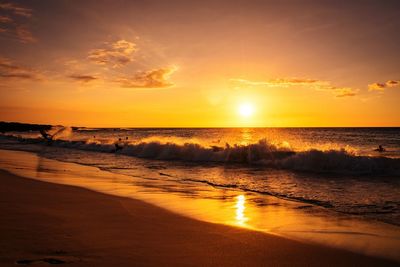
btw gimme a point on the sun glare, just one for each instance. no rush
(246, 110)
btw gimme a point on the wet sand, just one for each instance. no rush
(44, 223)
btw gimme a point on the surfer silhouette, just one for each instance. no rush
(380, 149)
(46, 136)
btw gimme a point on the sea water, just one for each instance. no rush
(338, 169)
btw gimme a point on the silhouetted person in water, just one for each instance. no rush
(380, 149)
(118, 145)
(48, 137)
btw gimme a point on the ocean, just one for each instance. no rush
(338, 169)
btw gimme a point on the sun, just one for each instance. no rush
(246, 110)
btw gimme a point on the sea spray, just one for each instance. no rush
(261, 153)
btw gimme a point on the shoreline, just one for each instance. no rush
(266, 214)
(45, 221)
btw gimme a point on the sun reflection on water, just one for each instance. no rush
(240, 208)
(246, 136)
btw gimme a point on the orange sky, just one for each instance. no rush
(185, 64)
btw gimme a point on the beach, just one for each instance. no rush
(199, 133)
(44, 223)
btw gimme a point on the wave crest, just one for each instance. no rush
(340, 161)
(262, 153)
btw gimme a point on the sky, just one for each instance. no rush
(203, 63)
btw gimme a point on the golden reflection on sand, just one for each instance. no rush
(240, 207)
(253, 211)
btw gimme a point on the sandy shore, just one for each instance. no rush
(43, 223)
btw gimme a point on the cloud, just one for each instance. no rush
(376, 87)
(14, 22)
(16, 9)
(382, 86)
(10, 70)
(83, 78)
(157, 78)
(281, 82)
(344, 92)
(318, 85)
(117, 54)
(5, 19)
(24, 35)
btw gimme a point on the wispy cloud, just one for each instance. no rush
(13, 23)
(157, 78)
(344, 91)
(281, 82)
(83, 78)
(117, 54)
(5, 19)
(10, 70)
(114, 56)
(319, 85)
(382, 86)
(16, 9)
(24, 34)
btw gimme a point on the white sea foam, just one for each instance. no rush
(262, 153)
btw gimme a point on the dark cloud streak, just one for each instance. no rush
(83, 78)
(10, 70)
(382, 86)
(14, 23)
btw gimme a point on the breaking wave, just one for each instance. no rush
(262, 153)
